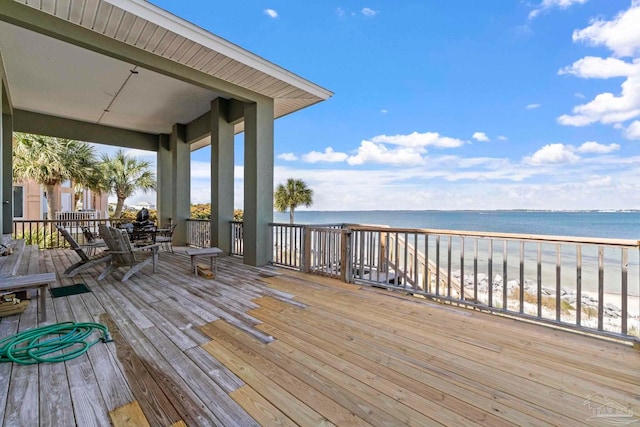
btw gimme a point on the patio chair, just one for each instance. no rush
(86, 259)
(164, 235)
(124, 254)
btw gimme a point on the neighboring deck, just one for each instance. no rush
(275, 347)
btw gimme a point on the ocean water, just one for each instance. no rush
(619, 225)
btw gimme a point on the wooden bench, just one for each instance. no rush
(9, 264)
(31, 281)
(211, 253)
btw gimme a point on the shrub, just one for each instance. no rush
(39, 237)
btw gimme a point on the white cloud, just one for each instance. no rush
(621, 35)
(553, 154)
(532, 106)
(600, 181)
(370, 152)
(289, 157)
(579, 95)
(340, 11)
(369, 12)
(328, 156)
(409, 151)
(549, 4)
(416, 139)
(608, 182)
(502, 138)
(383, 111)
(271, 13)
(201, 170)
(633, 131)
(606, 107)
(480, 136)
(597, 148)
(592, 67)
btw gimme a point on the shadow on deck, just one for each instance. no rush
(274, 347)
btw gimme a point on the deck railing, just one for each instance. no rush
(587, 284)
(199, 232)
(582, 283)
(308, 248)
(44, 233)
(579, 283)
(237, 240)
(80, 215)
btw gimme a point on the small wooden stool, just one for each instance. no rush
(32, 281)
(211, 253)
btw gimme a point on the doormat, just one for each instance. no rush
(65, 291)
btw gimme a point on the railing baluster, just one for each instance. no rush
(406, 256)
(539, 279)
(600, 287)
(449, 267)
(558, 282)
(427, 275)
(462, 268)
(505, 280)
(414, 270)
(475, 270)
(521, 302)
(490, 271)
(579, 285)
(624, 291)
(437, 265)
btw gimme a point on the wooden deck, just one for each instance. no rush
(266, 346)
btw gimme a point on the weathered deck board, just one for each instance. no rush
(537, 353)
(413, 379)
(285, 348)
(253, 353)
(278, 396)
(22, 401)
(468, 365)
(219, 373)
(260, 409)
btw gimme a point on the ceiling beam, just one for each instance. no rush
(42, 124)
(7, 106)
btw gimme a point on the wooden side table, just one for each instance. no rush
(211, 253)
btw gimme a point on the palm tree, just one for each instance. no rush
(95, 182)
(125, 175)
(50, 161)
(291, 195)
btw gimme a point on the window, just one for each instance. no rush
(66, 184)
(18, 201)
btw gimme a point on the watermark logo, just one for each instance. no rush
(607, 411)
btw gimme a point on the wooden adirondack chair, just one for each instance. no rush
(86, 260)
(123, 254)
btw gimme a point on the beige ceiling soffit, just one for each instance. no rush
(166, 20)
(33, 19)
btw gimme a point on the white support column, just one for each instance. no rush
(258, 182)
(180, 183)
(222, 181)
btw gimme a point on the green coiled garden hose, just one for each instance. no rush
(52, 343)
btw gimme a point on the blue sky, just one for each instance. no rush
(448, 104)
